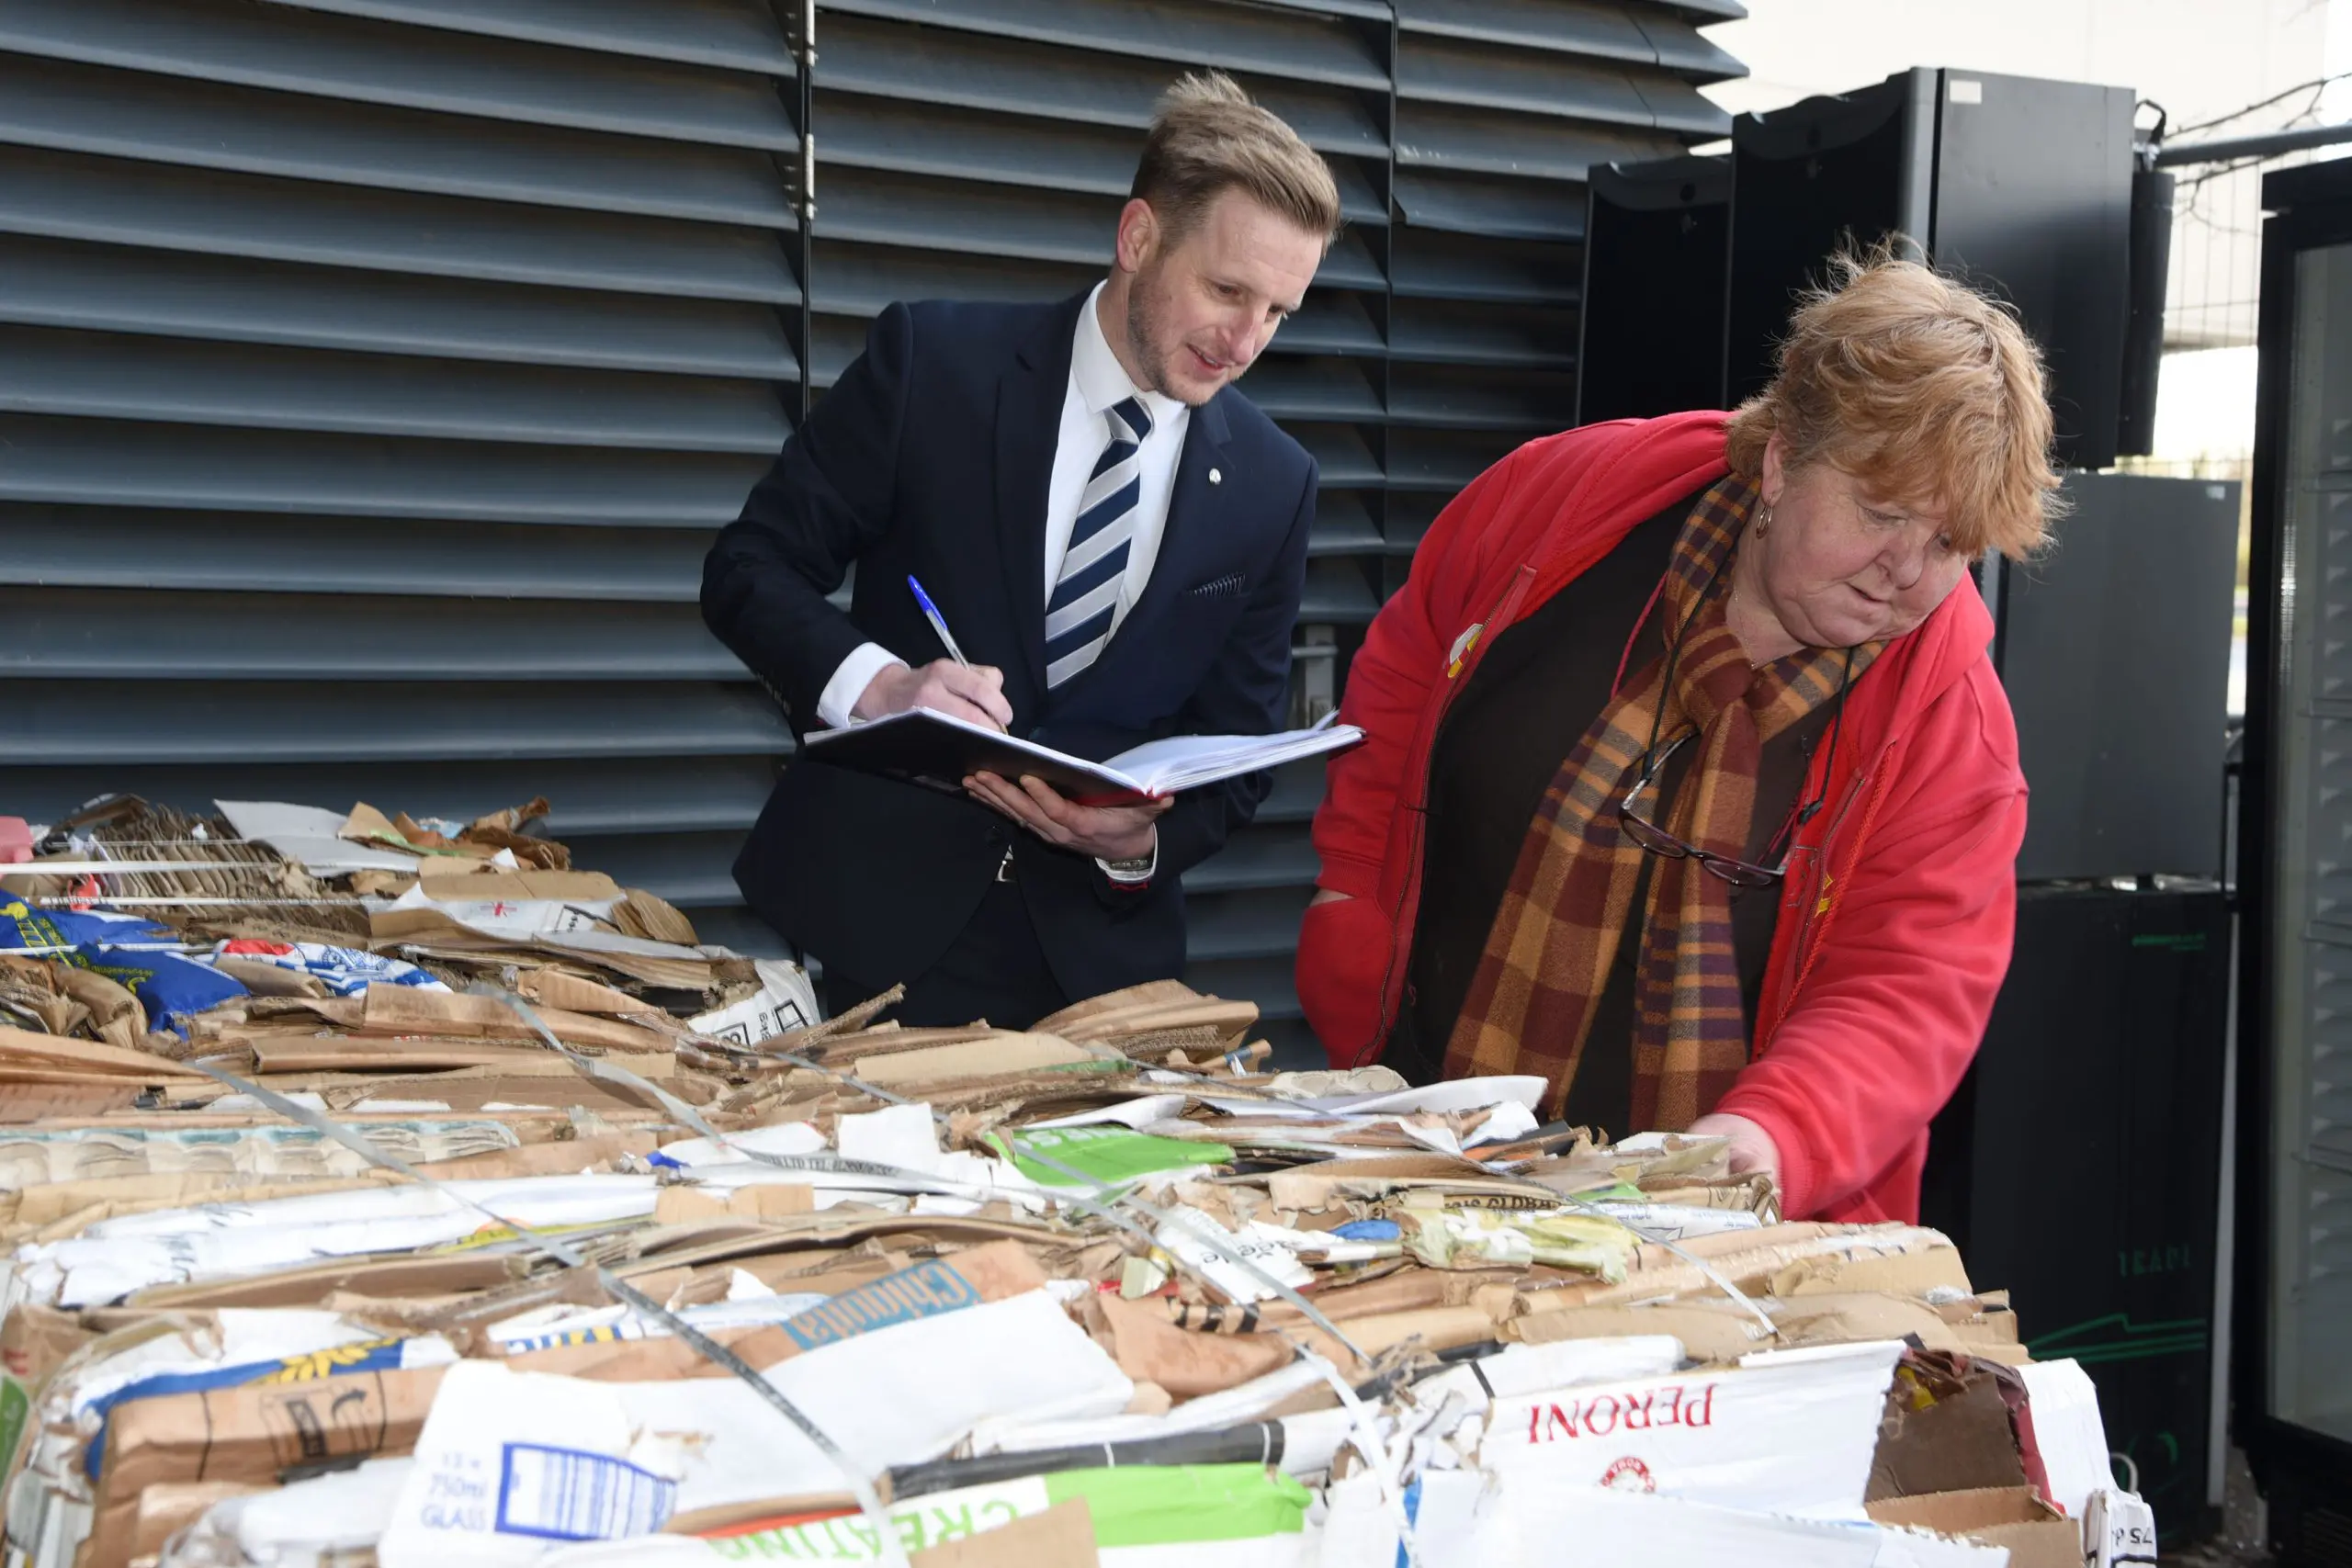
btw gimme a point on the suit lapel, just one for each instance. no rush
(1028, 430)
(1192, 510)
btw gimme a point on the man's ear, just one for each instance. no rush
(1138, 235)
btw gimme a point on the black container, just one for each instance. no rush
(2019, 185)
(1656, 261)
(2079, 1164)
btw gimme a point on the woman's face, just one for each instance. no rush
(1840, 566)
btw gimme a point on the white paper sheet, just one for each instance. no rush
(311, 838)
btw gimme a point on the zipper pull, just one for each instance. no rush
(1462, 647)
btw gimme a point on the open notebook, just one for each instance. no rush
(932, 747)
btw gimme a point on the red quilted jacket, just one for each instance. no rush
(1897, 916)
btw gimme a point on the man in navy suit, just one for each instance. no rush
(1115, 537)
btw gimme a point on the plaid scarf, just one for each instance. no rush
(1553, 941)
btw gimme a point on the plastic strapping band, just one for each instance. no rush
(868, 1500)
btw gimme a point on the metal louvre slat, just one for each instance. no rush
(627, 794)
(1529, 337)
(81, 108)
(1337, 593)
(1293, 387)
(1344, 526)
(117, 288)
(1473, 141)
(739, 35)
(876, 207)
(318, 53)
(114, 376)
(1277, 855)
(117, 201)
(1574, 27)
(1498, 207)
(1203, 32)
(199, 552)
(108, 462)
(1458, 72)
(144, 721)
(1432, 264)
(951, 143)
(61, 633)
(1479, 398)
(1251, 924)
(932, 65)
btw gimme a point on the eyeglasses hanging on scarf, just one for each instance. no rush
(1655, 840)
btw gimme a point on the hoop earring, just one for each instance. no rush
(1764, 523)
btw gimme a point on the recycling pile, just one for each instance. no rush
(385, 1224)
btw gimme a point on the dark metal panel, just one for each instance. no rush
(119, 288)
(124, 722)
(288, 553)
(1478, 140)
(739, 35)
(859, 280)
(1299, 790)
(693, 870)
(1681, 49)
(1495, 207)
(1574, 27)
(288, 50)
(116, 376)
(970, 70)
(118, 463)
(1456, 72)
(1432, 264)
(1340, 453)
(1176, 32)
(55, 633)
(954, 143)
(1269, 982)
(622, 795)
(883, 208)
(1280, 855)
(1443, 460)
(1475, 398)
(81, 108)
(115, 201)
(1440, 331)
(1342, 526)
(1253, 924)
(1567, 26)
(1293, 386)
(1338, 592)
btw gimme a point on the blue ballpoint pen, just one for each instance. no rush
(938, 623)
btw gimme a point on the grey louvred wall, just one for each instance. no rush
(373, 372)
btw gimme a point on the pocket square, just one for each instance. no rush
(1217, 587)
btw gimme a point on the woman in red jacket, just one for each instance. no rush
(1687, 781)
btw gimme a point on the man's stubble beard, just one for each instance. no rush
(1152, 351)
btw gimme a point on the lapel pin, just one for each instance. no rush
(1215, 477)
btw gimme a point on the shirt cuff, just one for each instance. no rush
(849, 683)
(1134, 879)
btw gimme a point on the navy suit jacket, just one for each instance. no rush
(932, 455)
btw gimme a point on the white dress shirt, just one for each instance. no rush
(1097, 381)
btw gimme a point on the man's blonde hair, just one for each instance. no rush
(1207, 137)
(1924, 390)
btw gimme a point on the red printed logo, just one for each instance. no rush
(1599, 1415)
(1629, 1474)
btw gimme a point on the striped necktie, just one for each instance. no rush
(1094, 568)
